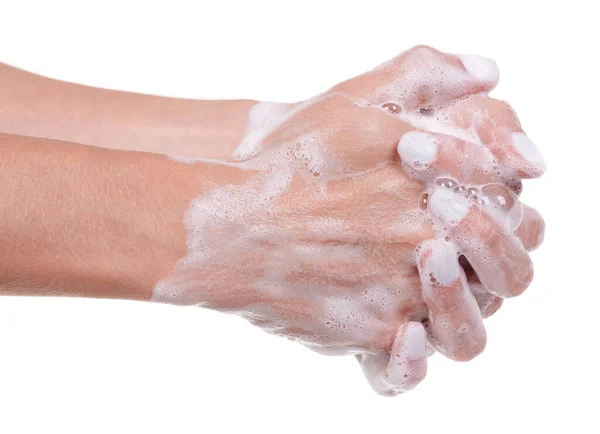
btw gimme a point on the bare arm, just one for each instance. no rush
(319, 226)
(84, 221)
(33, 105)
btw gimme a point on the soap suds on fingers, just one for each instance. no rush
(310, 248)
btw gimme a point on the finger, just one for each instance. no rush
(488, 303)
(404, 367)
(496, 254)
(423, 76)
(457, 329)
(407, 366)
(532, 228)
(531, 234)
(429, 156)
(498, 201)
(498, 127)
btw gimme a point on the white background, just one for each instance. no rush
(92, 366)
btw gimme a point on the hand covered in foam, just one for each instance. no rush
(327, 237)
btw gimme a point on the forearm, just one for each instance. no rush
(83, 221)
(38, 106)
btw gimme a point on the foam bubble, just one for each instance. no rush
(502, 204)
(417, 148)
(480, 67)
(448, 206)
(443, 263)
(310, 275)
(392, 107)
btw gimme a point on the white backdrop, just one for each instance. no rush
(92, 366)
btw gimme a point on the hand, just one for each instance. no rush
(477, 118)
(316, 240)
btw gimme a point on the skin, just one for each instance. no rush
(42, 107)
(89, 226)
(96, 235)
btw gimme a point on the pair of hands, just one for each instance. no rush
(380, 218)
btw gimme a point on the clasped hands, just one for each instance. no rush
(380, 219)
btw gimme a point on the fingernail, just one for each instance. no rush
(443, 264)
(529, 152)
(417, 149)
(480, 67)
(415, 343)
(448, 206)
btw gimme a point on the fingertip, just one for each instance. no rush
(532, 229)
(415, 341)
(407, 366)
(497, 256)
(533, 163)
(456, 324)
(472, 344)
(523, 277)
(481, 68)
(449, 207)
(462, 341)
(439, 260)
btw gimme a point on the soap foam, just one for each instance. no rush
(417, 149)
(289, 271)
(448, 206)
(415, 344)
(529, 152)
(481, 67)
(443, 264)
(247, 230)
(426, 71)
(265, 114)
